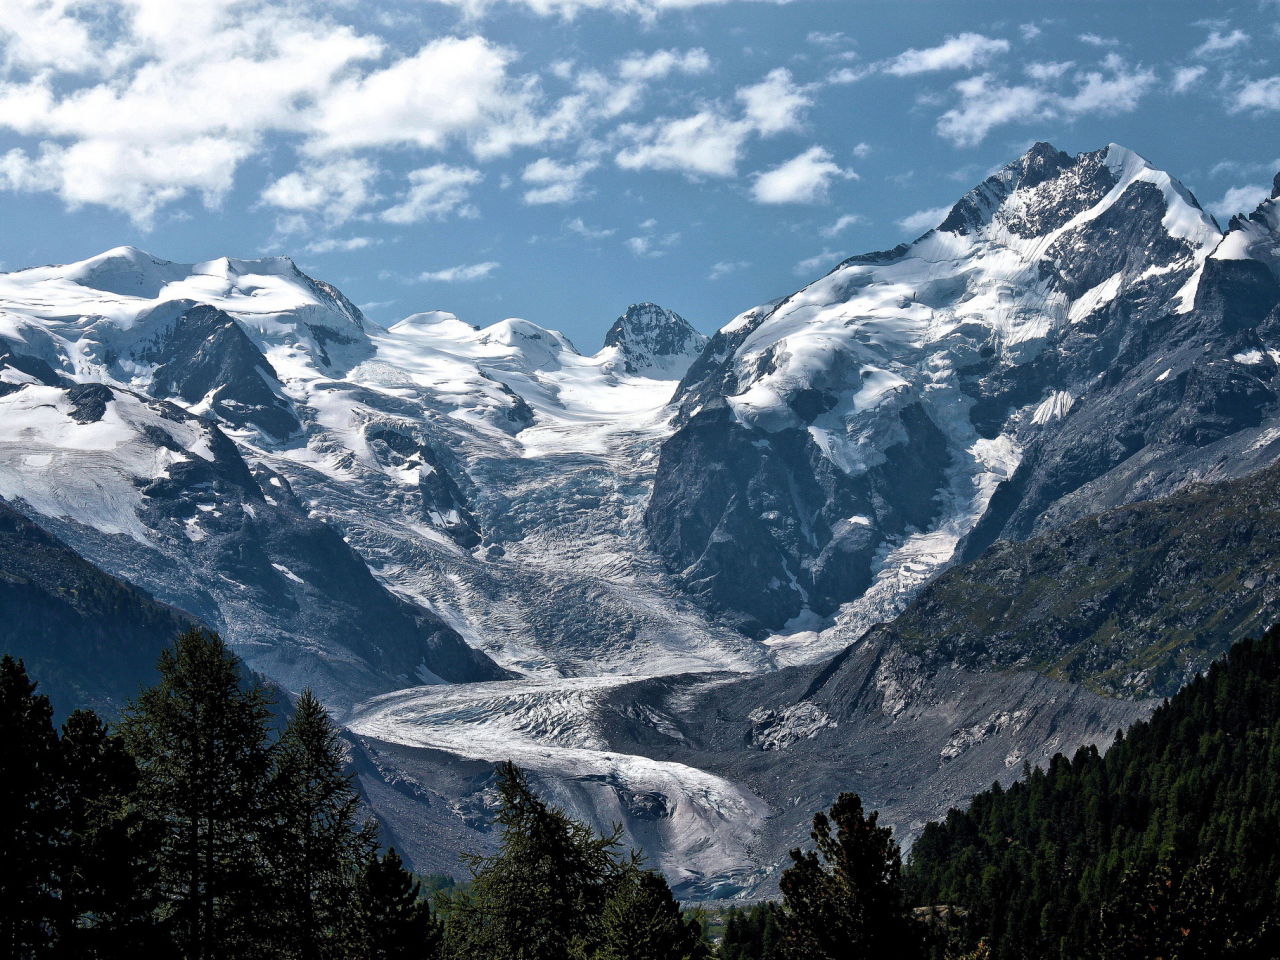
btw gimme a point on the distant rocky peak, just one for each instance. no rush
(649, 339)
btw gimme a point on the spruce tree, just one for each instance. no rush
(200, 740)
(31, 815)
(316, 849)
(641, 920)
(540, 897)
(845, 899)
(109, 859)
(393, 921)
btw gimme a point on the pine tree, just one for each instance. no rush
(315, 847)
(200, 740)
(845, 898)
(109, 860)
(31, 815)
(540, 897)
(641, 920)
(393, 921)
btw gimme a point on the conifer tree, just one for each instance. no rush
(641, 920)
(200, 740)
(109, 856)
(540, 896)
(393, 921)
(315, 846)
(845, 899)
(31, 815)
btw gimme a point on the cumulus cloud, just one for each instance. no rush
(663, 63)
(578, 226)
(706, 143)
(434, 193)
(726, 268)
(340, 245)
(774, 105)
(985, 104)
(822, 261)
(1117, 90)
(1219, 42)
(1094, 40)
(710, 142)
(568, 9)
(802, 179)
(1184, 78)
(1261, 95)
(336, 189)
(923, 220)
(964, 51)
(1241, 199)
(554, 182)
(841, 225)
(463, 273)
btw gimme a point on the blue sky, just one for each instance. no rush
(559, 159)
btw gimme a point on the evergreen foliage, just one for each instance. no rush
(314, 845)
(201, 742)
(30, 813)
(393, 922)
(845, 897)
(753, 933)
(1169, 845)
(195, 834)
(641, 920)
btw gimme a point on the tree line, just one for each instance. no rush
(192, 830)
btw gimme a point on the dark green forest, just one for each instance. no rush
(202, 826)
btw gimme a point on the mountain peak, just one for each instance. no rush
(650, 339)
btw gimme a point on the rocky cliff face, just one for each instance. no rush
(1066, 340)
(649, 340)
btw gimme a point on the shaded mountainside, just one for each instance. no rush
(1076, 334)
(1164, 846)
(91, 639)
(1132, 602)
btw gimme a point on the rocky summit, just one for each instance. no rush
(950, 508)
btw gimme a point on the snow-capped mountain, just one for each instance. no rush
(607, 543)
(854, 434)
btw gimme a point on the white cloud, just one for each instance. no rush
(861, 150)
(451, 88)
(841, 225)
(343, 245)
(649, 244)
(1048, 70)
(1029, 31)
(923, 220)
(961, 52)
(726, 267)
(986, 104)
(1184, 78)
(576, 225)
(1094, 40)
(822, 261)
(802, 179)
(1117, 91)
(555, 182)
(1218, 42)
(568, 9)
(1261, 94)
(710, 142)
(44, 33)
(434, 193)
(663, 63)
(704, 144)
(1239, 200)
(775, 104)
(336, 189)
(463, 273)
(173, 118)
